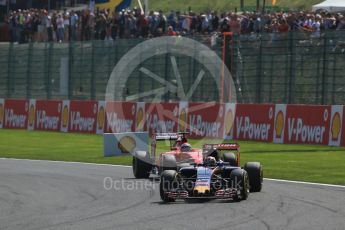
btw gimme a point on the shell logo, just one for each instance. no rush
(101, 118)
(335, 127)
(126, 144)
(140, 119)
(279, 124)
(1, 113)
(229, 117)
(65, 116)
(182, 120)
(31, 115)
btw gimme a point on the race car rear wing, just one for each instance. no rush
(223, 146)
(208, 148)
(165, 136)
(172, 137)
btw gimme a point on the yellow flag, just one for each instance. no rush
(274, 2)
(109, 4)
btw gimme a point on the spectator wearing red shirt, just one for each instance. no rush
(283, 26)
(171, 32)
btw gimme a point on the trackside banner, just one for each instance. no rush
(44, 115)
(205, 120)
(336, 126)
(2, 111)
(120, 117)
(83, 116)
(161, 117)
(16, 114)
(307, 124)
(279, 123)
(343, 128)
(254, 122)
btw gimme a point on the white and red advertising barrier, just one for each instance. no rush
(119, 116)
(15, 115)
(160, 117)
(254, 122)
(205, 120)
(302, 124)
(280, 123)
(82, 116)
(336, 126)
(2, 112)
(44, 115)
(343, 128)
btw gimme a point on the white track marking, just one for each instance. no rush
(306, 183)
(127, 166)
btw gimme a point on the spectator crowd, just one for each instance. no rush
(38, 25)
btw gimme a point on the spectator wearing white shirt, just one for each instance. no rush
(316, 26)
(60, 28)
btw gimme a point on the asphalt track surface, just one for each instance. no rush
(57, 195)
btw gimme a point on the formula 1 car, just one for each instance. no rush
(180, 154)
(198, 173)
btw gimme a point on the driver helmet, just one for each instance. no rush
(211, 161)
(185, 147)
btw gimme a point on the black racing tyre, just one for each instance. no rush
(183, 165)
(167, 183)
(168, 162)
(239, 180)
(230, 158)
(141, 165)
(255, 173)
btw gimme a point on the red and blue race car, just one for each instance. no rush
(212, 172)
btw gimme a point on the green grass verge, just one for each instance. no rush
(311, 163)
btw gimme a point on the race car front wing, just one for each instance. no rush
(228, 193)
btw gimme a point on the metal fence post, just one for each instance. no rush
(140, 82)
(317, 91)
(47, 64)
(70, 63)
(166, 96)
(93, 82)
(292, 63)
(9, 70)
(333, 78)
(28, 72)
(271, 79)
(324, 65)
(259, 73)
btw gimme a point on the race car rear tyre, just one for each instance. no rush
(183, 165)
(168, 162)
(230, 158)
(141, 164)
(167, 183)
(240, 181)
(255, 173)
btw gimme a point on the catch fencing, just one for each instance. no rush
(294, 67)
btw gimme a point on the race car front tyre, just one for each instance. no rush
(255, 173)
(141, 165)
(240, 181)
(167, 183)
(230, 158)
